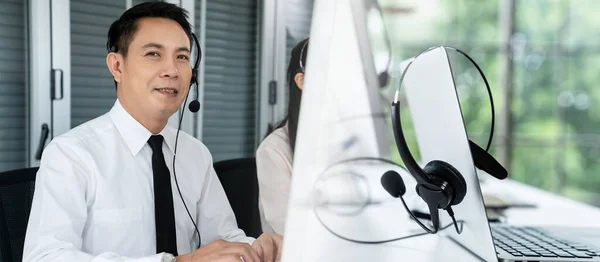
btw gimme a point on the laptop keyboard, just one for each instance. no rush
(533, 242)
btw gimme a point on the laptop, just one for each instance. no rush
(440, 131)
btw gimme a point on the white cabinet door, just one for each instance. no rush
(49, 74)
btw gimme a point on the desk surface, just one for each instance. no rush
(551, 210)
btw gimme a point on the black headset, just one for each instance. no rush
(195, 104)
(301, 54)
(439, 183)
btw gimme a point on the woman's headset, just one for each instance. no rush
(302, 55)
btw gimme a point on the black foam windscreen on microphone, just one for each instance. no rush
(392, 183)
(194, 106)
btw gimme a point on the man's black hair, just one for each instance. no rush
(122, 31)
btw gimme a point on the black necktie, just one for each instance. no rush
(164, 212)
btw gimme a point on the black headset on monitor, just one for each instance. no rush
(439, 184)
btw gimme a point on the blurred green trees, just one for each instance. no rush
(555, 76)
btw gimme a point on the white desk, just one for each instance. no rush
(551, 210)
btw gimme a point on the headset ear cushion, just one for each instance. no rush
(448, 173)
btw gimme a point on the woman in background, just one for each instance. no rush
(275, 154)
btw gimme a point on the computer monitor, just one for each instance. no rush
(441, 135)
(342, 117)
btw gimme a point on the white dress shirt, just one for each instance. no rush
(274, 172)
(94, 198)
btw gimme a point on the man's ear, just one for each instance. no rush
(114, 61)
(299, 79)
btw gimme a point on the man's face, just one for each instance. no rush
(155, 75)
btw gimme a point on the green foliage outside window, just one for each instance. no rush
(555, 47)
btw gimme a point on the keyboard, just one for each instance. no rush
(535, 242)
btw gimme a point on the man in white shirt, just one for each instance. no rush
(107, 191)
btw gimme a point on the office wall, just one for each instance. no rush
(13, 78)
(92, 86)
(230, 76)
(65, 40)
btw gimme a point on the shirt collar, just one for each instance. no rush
(135, 134)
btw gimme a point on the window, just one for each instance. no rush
(545, 67)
